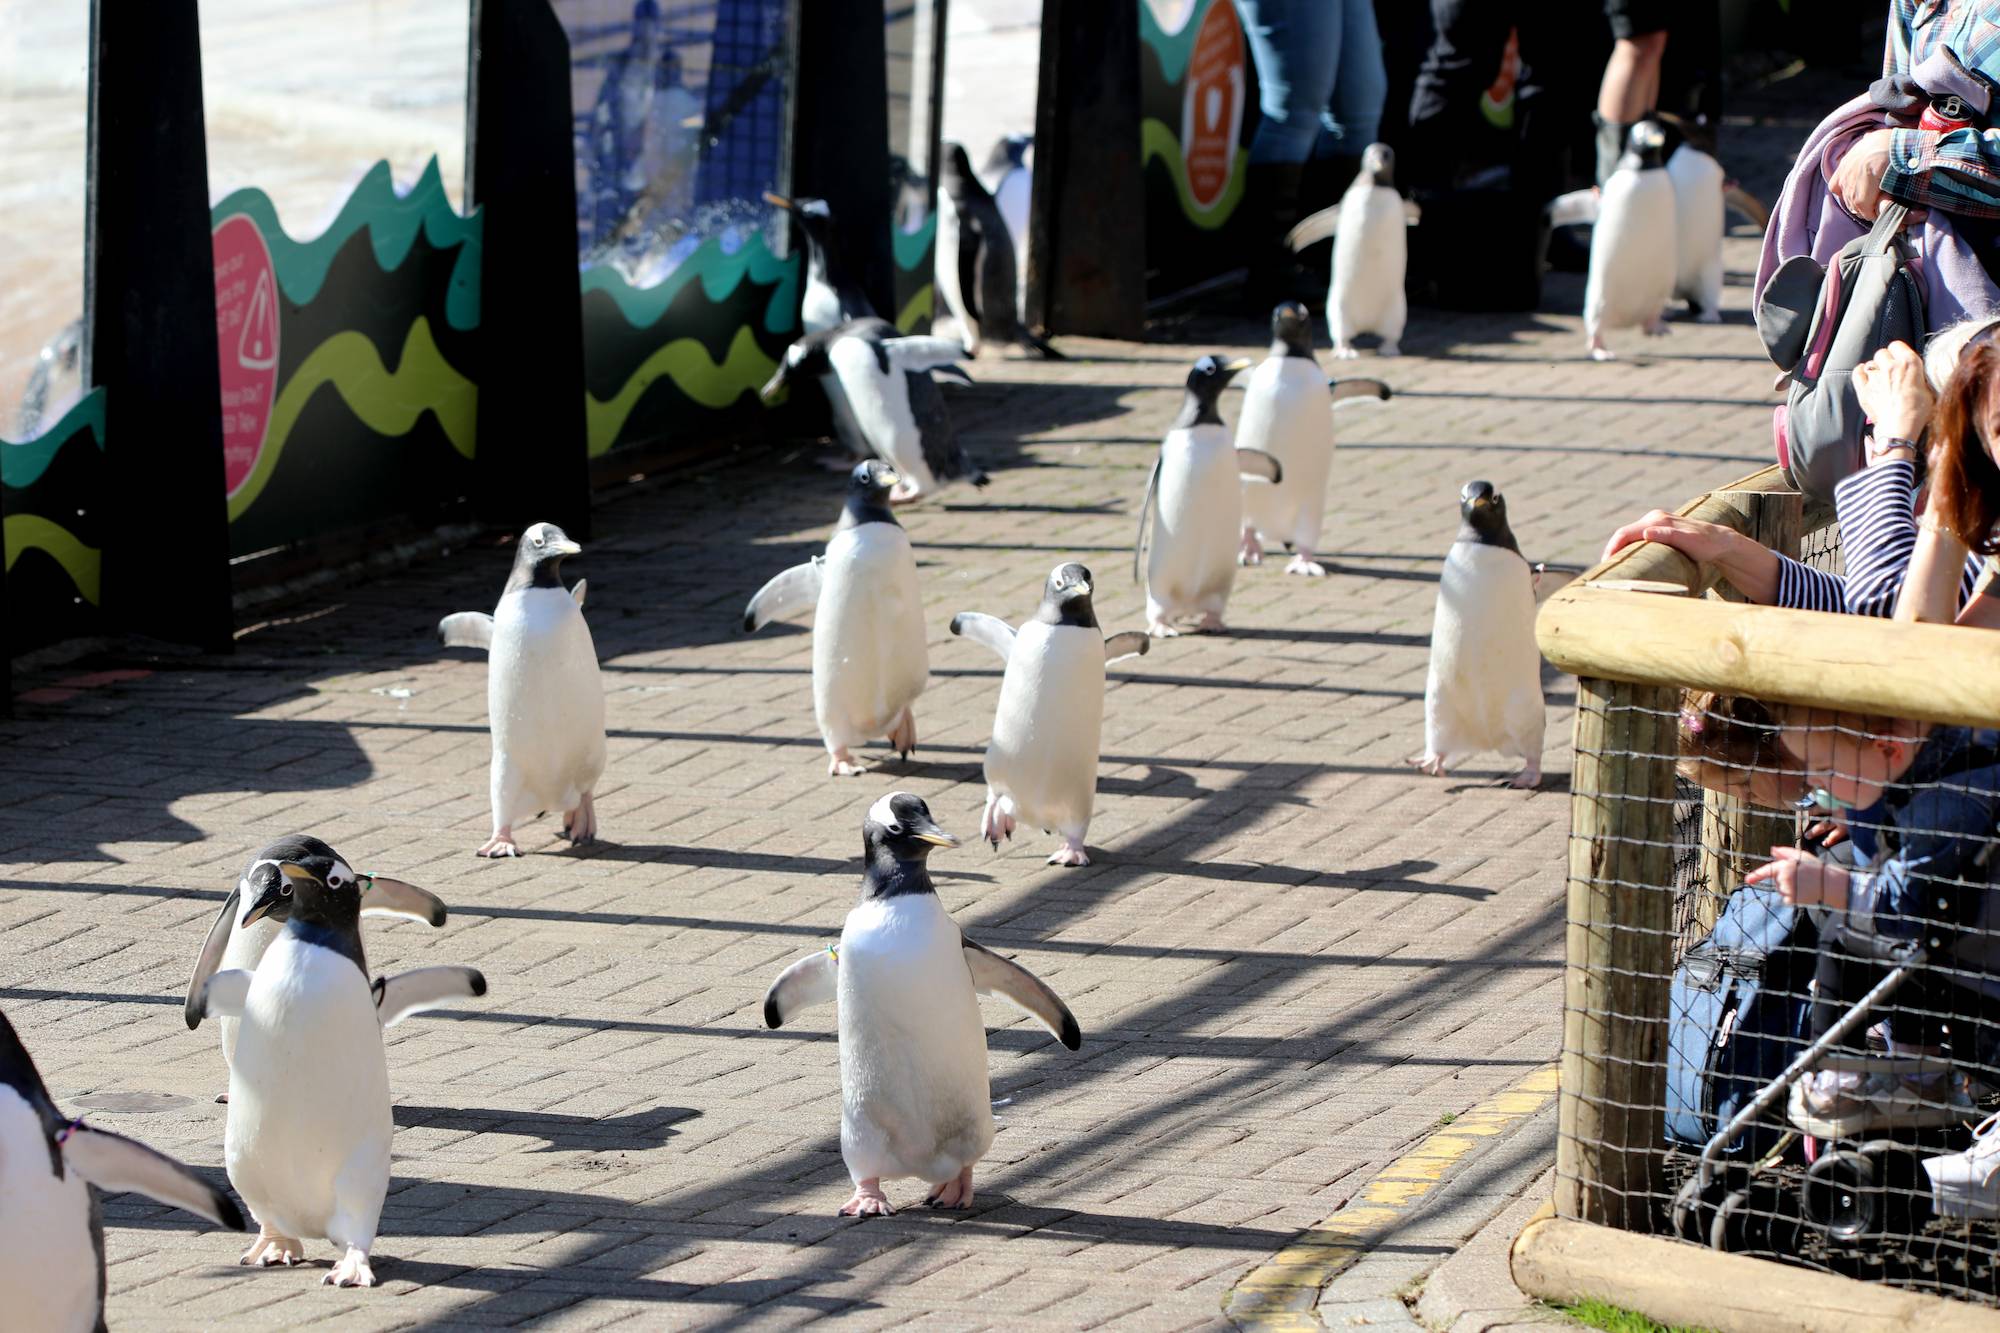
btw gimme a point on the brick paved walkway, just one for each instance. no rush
(1290, 959)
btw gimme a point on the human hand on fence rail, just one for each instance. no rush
(1749, 565)
(1803, 879)
(1894, 392)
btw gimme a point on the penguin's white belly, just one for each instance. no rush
(1192, 565)
(1484, 691)
(845, 425)
(48, 1271)
(1048, 725)
(1632, 251)
(1012, 196)
(546, 699)
(1697, 180)
(913, 1088)
(945, 271)
(246, 948)
(880, 403)
(309, 1119)
(1370, 255)
(869, 656)
(819, 310)
(1288, 412)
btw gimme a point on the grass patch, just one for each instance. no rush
(1615, 1319)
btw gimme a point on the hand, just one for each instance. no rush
(1894, 392)
(1702, 542)
(1857, 181)
(1803, 879)
(1831, 831)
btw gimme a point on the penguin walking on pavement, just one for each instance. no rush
(1484, 691)
(51, 1218)
(914, 1095)
(832, 293)
(234, 946)
(1288, 413)
(1371, 254)
(1634, 249)
(884, 402)
(869, 657)
(544, 698)
(1699, 182)
(1009, 175)
(1041, 765)
(976, 261)
(307, 1142)
(1190, 564)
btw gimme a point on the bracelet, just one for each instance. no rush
(1929, 524)
(1877, 448)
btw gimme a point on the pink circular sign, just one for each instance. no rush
(246, 327)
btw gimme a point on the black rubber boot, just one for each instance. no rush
(1270, 210)
(1610, 145)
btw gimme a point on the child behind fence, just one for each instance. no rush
(1932, 798)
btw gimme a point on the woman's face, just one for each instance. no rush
(1774, 789)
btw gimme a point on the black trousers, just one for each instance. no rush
(1919, 1013)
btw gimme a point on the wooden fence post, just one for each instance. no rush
(1619, 954)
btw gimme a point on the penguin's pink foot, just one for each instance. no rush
(996, 823)
(1431, 764)
(1657, 327)
(500, 844)
(1210, 623)
(351, 1271)
(953, 1193)
(1389, 347)
(580, 824)
(1303, 563)
(1071, 853)
(1599, 352)
(270, 1250)
(903, 493)
(1709, 317)
(868, 1201)
(1161, 629)
(841, 763)
(1250, 551)
(903, 733)
(1346, 351)
(1528, 778)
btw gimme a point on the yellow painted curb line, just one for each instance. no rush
(1281, 1293)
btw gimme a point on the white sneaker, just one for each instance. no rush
(1967, 1184)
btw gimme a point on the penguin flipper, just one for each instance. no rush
(810, 981)
(943, 454)
(924, 353)
(1349, 389)
(582, 587)
(1145, 512)
(210, 958)
(992, 631)
(1314, 228)
(115, 1163)
(1129, 643)
(406, 993)
(223, 994)
(1577, 208)
(1749, 205)
(392, 897)
(1004, 979)
(792, 595)
(467, 629)
(1259, 465)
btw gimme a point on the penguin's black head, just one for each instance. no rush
(900, 827)
(868, 494)
(1008, 152)
(538, 559)
(815, 216)
(1205, 383)
(302, 879)
(1378, 164)
(1645, 146)
(1066, 597)
(955, 172)
(1483, 514)
(1291, 330)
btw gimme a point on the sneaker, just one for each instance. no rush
(1967, 1184)
(1842, 1103)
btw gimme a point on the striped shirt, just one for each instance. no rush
(1878, 534)
(1957, 171)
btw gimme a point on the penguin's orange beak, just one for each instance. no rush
(777, 201)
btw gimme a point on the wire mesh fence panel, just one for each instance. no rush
(1807, 1069)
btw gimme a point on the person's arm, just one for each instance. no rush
(1942, 573)
(1752, 568)
(1878, 531)
(1955, 172)
(1896, 47)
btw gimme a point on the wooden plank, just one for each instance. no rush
(1564, 1261)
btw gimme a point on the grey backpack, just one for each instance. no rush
(1818, 324)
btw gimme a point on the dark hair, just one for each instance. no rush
(1965, 481)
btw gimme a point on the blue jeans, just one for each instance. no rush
(1321, 81)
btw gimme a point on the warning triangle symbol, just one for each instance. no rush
(257, 348)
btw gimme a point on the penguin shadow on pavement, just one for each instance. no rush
(635, 1131)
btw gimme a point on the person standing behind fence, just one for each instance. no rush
(1630, 91)
(1321, 84)
(1955, 533)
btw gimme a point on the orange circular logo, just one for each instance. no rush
(1212, 109)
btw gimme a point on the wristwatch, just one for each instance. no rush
(1877, 446)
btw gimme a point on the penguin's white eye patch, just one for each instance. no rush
(541, 541)
(285, 889)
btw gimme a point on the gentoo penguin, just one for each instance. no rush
(884, 402)
(832, 296)
(976, 262)
(1192, 562)
(914, 1098)
(1288, 413)
(238, 948)
(307, 1144)
(1041, 765)
(1009, 175)
(51, 1222)
(869, 658)
(1370, 254)
(1633, 252)
(1698, 181)
(1485, 686)
(544, 699)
